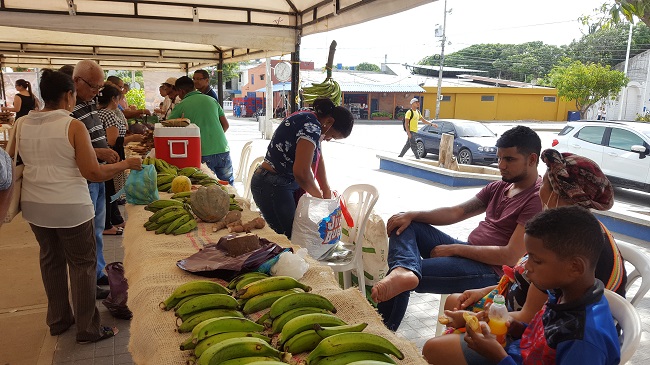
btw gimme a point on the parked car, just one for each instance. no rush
(619, 147)
(474, 143)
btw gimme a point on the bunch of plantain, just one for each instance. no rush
(193, 288)
(308, 339)
(183, 197)
(269, 284)
(227, 351)
(177, 122)
(161, 165)
(233, 203)
(173, 219)
(161, 204)
(329, 88)
(203, 307)
(353, 342)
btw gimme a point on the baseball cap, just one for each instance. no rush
(170, 81)
(415, 100)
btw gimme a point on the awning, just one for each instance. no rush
(171, 34)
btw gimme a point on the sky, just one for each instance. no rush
(407, 37)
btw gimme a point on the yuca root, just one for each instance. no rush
(257, 223)
(231, 217)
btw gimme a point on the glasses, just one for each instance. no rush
(198, 78)
(95, 87)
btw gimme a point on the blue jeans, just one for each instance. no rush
(444, 275)
(98, 196)
(221, 165)
(273, 194)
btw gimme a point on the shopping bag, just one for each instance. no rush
(116, 300)
(141, 187)
(374, 250)
(17, 174)
(317, 224)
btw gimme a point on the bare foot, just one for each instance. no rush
(398, 281)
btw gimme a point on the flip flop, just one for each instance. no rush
(121, 225)
(118, 231)
(107, 332)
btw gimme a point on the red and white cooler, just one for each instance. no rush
(180, 146)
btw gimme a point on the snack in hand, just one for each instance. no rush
(471, 321)
(443, 319)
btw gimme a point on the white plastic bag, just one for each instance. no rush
(317, 224)
(291, 264)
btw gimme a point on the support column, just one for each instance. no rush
(220, 79)
(295, 76)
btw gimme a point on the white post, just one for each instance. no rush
(442, 61)
(267, 130)
(627, 61)
(645, 87)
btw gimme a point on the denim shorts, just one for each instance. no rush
(221, 165)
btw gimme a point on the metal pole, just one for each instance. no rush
(267, 129)
(442, 61)
(627, 60)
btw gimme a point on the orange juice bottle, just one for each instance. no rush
(498, 316)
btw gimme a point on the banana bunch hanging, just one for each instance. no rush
(326, 89)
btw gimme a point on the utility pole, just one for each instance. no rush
(442, 61)
(627, 60)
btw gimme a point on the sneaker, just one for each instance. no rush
(102, 293)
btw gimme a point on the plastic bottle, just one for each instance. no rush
(498, 316)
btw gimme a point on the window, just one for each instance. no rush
(445, 98)
(252, 79)
(487, 97)
(623, 140)
(549, 99)
(591, 134)
(565, 130)
(433, 129)
(448, 128)
(262, 77)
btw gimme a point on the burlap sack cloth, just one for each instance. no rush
(150, 268)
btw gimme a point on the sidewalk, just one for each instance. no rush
(24, 337)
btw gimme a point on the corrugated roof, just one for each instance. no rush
(345, 87)
(362, 81)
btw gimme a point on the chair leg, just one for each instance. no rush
(362, 280)
(347, 279)
(441, 311)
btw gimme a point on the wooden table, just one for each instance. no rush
(150, 268)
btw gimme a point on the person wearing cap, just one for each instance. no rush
(411, 119)
(569, 180)
(171, 97)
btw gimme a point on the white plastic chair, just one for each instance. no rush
(641, 264)
(365, 196)
(243, 162)
(630, 322)
(440, 328)
(248, 195)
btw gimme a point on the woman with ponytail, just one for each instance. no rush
(294, 162)
(24, 101)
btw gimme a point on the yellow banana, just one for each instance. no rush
(235, 348)
(192, 288)
(212, 340)
(270, 284)
(353, 341)
(324, 331)
(265, 300)
(298, 300)
(184, 300)
(205, 302)
(188, 324)
(280, 321)
(302, 342)
(226, 324)
(307, 321)
(247, 280)
(350, 357)
(233, 283)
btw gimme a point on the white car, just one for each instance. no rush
(620, 148)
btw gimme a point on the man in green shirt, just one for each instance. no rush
(208, 115)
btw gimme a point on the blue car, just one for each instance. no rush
(474, 143)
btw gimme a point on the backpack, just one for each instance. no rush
(412, 115)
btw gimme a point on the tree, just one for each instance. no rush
(230, 70)
(585, 83)
(365, 66)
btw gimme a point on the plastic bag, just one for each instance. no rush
(141, 187)
(317, 224)
(116, 300)
(291, 264)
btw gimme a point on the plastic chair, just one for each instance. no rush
(440, 328)
(365, 196)
(630, 322)
(243, 162)
(248, 195)
(641, 264)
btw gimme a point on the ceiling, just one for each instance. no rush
(174, 35)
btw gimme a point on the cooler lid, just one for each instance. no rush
(191, 130)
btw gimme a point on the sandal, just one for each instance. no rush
(117, 232)
(121, 225)
(107, 332)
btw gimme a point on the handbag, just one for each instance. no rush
(116, 300)
(18, 167)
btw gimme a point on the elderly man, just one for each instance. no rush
(201, 80)
(89, 81)
(207, 114)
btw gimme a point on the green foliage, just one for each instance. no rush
(230, 70)
(643, 118)
(365, 66)
(136, 97)
(585, 83)
(607, 45)
(519, 62)
(381, 114)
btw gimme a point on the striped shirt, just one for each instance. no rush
(86, 112)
